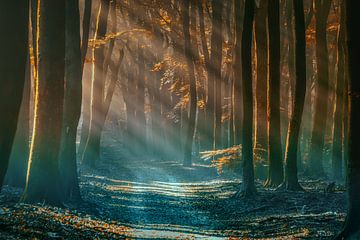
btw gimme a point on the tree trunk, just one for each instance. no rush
(261, 39)
(292, 142)
(337, 151)
(85, 102)
(43, 178)
(248, 184)
(351, 228)
(92, 147)
(276, 173)
(13, 49)
(315, 167)
(16, 173)
(215, 62)
(72, 102)
(193, 95)
(237, 85)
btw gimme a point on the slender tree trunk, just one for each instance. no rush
(13, 52)
(351, 228)
(204, 113)
(248, 184)
(261, 38)
(292, 142)
(92, 147)
(276, 173)
(16, 173)
(86, 89)
(215, 61)
(72, 102)
(322, 92)
(237, 83)
(193, 95)
(337, 151)
(43, 178)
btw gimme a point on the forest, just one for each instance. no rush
(180, 119)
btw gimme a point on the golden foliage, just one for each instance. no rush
(228, 157)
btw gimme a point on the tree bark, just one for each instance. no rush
(215, 61)
(261, 38)
(92, 148)
(351, 228)
(72, 102)
(315, 167)
(13, 48)
(276, 173)
(16, 173)
(292, 142)
(85, 102)
(43, 179)
(337, 151)
(188, 52)
(248, 185)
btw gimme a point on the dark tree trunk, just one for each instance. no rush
(276, 173)
(351, 228)
(337, 151)
(315, 167)
(292, 142)
(261, 39)
(193, 95)
(92, 148)
(16, 173)
(248, 185)
(215, 62)
(72, 102)
(43, 179)
(13, 50)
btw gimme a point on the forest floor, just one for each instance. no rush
(127, 198)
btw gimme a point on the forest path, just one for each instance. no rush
(143, 198)
(162, 199)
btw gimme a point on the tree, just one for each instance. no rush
(13, 52)
(292, 142)
(215, 66)
(86, 104)
(276, 173)
(72, 102)
(248, 184)
(337, 151)
(43, 178)
(16, 173)
(92, 147)
(261, 38)
(193, 95)
(351, 228)
(315, 167)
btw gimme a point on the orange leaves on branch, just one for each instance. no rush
(96, 43)
(228, 157)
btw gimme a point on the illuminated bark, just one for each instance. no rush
(337, 151)
(43, 178)
(92, 148)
